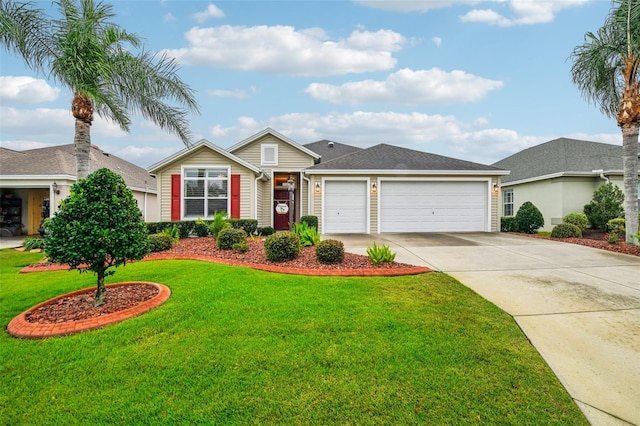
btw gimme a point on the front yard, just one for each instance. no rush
(237, 346)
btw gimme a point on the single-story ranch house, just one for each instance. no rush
(33, 182)
(559, 177)
(275, 180)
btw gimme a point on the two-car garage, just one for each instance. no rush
(415, 205)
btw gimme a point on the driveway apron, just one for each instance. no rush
(579, 306)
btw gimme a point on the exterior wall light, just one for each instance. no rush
(495, 188)
(54, 186)
(374, 188)
(317, 187)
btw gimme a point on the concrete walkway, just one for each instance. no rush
(579, 307)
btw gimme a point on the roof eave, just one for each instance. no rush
(405, 172)
(267, 131)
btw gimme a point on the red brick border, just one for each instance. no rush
(20, 327)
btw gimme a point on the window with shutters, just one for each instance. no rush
(269, 155)
(205, 191)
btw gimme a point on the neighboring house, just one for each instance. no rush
(559, 176)
(275, 180)
(33, 182)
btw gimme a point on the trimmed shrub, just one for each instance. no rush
(266, 231)
(529, 219)
(605, 205)
(230, 236)
(31, 243)
(250, 226)
(508, 224)
(330, 251)
(241, 247)
(617, 226)
(566, 230)
(160, 242)
(578, 219)
(173, 233)
(312, 221)
(201, 228)
(282, 246)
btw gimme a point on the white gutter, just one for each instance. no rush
(255, 198)
(407, 172)
(308, 192)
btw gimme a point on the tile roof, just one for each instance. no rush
(385, 157)
(61, 160)
(561, 155)
(330, 150)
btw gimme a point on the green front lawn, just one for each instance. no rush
(238, 346)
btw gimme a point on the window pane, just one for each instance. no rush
(217, 188)
(194, 188)
(194, 208)
(194, 172)
(217, 173)
(216, 205)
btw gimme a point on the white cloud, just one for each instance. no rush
(408, 87)
(412, 5)
(212, 11)
(437, 41)
(26, 90)
(169, 17)
(525, 12)
(286, 51)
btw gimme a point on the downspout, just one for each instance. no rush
(255, 198)
(602, 176)
(308, 191)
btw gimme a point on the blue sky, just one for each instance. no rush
(475, 80)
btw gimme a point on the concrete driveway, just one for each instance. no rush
(579, 307)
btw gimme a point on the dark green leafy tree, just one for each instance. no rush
(529, 218)
(84, 51)
(605, 205)
(606, 69)
(97, 227)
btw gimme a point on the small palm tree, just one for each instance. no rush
(606, 69)
(85, 52)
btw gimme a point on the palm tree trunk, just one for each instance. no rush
(82, 142)
(630, 167)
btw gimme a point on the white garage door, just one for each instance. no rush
(412, 206)
(345, 207)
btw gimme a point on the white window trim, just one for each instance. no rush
(504, 202)
(263, 148)
(182, 196)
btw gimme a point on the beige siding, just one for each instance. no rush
(205, 157)
(289, 157)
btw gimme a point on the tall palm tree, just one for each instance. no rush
(606, 69)
(91, 56)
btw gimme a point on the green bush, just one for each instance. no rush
(605, 205)
(173, 233)
(265, 231)
(250, 226)
(617, 226)
(566, 230)
(160, 242)
(578, 219)
(529, 219)
(330, 251)
(185, 227)
(308, 235)
(379, 254)
(201, 228)
(312, 221)
(219, 223)
(31, 243)
(282, 246)
(241, 247)
(508, 224)
(227, 237)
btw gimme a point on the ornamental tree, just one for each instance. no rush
(97, 227)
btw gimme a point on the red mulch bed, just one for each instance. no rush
(596, 238)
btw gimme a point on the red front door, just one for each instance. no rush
(281, 220)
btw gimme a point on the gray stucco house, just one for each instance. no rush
(558, 176)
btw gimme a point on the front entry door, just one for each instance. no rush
(281, 220)
(38, 202)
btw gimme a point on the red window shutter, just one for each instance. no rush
(235, 196)
(175, 197)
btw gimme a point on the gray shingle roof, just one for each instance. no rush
(561, 155)
(61, 160)
(330, 150)
(390, 157)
